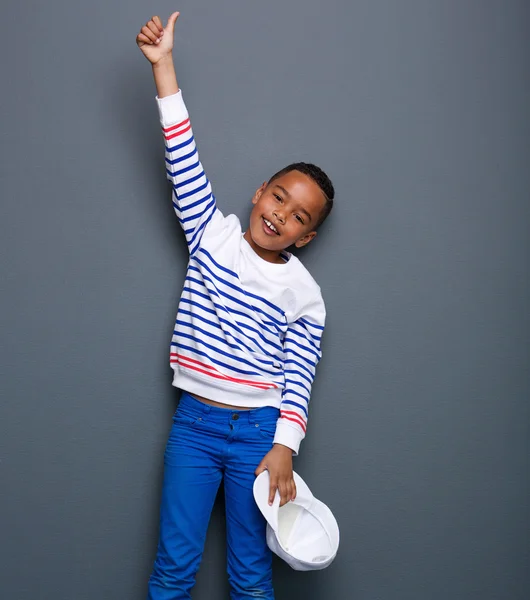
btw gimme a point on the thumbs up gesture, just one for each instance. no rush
(155, 40)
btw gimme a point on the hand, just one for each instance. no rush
(279, 463)
(156, 42)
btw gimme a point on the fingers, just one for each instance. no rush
(272, 489)
(142, 39)
(287, 491)
(153, 26)
(261, 467)
(151, 32)
(284, 489)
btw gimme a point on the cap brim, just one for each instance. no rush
(261, 496)
(261, 488)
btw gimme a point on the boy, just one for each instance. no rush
(244, 350)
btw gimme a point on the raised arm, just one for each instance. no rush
(193, 200)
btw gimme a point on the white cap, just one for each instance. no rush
(304, 532)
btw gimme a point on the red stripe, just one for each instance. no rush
(217, 374)
(193, 360)
(170, 137)
(297, 421)
(197, 362)
(223, 377)
(168, 129)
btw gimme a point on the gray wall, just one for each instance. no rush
(418, 438)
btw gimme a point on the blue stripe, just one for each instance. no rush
(261, 299)
(218, 350)
(198, 305)
(190, 180)
(221, 364)
(242, 325)
(181, 209)
(197, 216)
(307, 360)
(205, 296)
(213, 324)
(193, 192)
(310, 381)
(172, 149)
(238, 289)
(233, 311)
(227, 283)
(310, 350)
(226, 295)
(196, 203)
(201, 228)
(297, 405)
(210, 358)
(305, 331)
(189, 278)
(311, 324)
(265, 302)
(290, 360)
(289, 391)
(292, 382)
(304, 337)
(186, 169)
(229, 311)
(180, 158)
(218, 265)
(276, 346)
(206, 333)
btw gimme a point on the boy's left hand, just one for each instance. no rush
(279, 463)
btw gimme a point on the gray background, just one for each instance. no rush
(418, 436)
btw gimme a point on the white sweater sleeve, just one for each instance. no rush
(193, 200)
(302, 353)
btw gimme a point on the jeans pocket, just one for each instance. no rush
(182, 417)
(267, 429)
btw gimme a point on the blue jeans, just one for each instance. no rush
(208, 443)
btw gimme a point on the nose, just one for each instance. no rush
(278, 215)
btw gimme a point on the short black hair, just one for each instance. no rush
(319, 177)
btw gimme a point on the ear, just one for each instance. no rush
(304, 240)
(259, 191)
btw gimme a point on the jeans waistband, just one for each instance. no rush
(192, 405)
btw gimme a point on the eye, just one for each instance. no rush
(299, 219)
(278, 198)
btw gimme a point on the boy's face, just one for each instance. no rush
(286, 212)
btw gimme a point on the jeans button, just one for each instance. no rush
(235, 417)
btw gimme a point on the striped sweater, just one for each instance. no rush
(247, 331)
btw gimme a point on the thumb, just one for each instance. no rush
(261, 467)
(170, 27)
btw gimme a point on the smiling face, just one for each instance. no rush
(286, 212)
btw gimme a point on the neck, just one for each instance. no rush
(272, 256)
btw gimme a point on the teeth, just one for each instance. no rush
(269, 224)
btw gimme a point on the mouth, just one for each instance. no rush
(269, 228)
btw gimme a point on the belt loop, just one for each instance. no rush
(206, 408)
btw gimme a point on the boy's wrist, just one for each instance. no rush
(164, 63)
(283, 448)
(165, 77)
